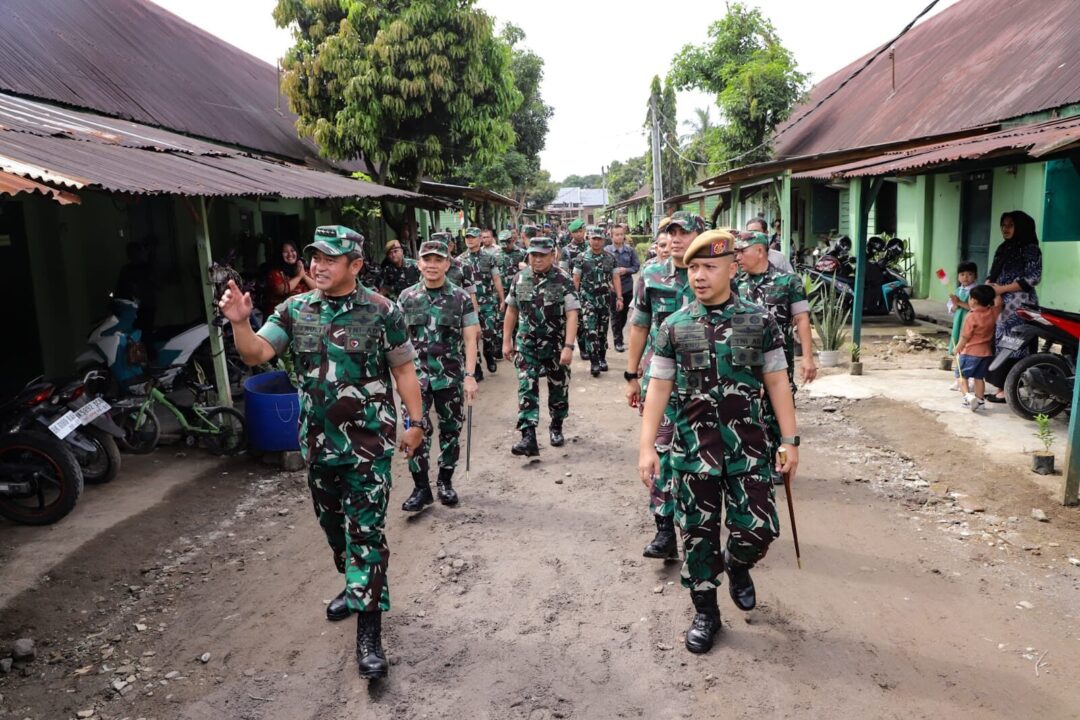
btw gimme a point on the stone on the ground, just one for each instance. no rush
(1039, 515)
(1025, 605)
(1074, 561)
(204, 658)
(83, 714)
(23, 650)
(172, 675)
(5, 666)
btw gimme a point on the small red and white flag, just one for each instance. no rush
(942, 276)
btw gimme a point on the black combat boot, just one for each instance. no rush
(706, 623)
(369, 652)
(584, 354)
(603, 360)
(594, 368)
(421, 494)
(338, 609)
(478, 374)
(527, 444)
(492, 366)
(740, 584)
(447, 494)
(555, 433)
(663, 546)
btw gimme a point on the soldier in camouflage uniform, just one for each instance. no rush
(575, 244)
(542, 310)
(510, 258)
(398, 271)
(594, 275)
(662, 288)
(715, 361)
(489, 293)
(345, 342)
(444, 328)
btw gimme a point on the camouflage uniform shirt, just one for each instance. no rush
(660, 290)
(435, 318)
(343, 349)
(542, 301)
(782, 294)
(395, 279)
(508, 265)
(717, 358)
(596, 272)
(484, 270)
(568, 253)
(461, 275)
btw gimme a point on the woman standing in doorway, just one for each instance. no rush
(286, 277)
(1016, 270)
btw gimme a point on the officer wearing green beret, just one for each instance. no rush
(715, 361)
(444, 328)
(345, 342)
(662, 288)
(538, 336)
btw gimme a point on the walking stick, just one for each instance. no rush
(468, 446)
(791, 508)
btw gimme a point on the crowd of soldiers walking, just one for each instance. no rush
(711, 323)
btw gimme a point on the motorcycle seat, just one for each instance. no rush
(1075, 317)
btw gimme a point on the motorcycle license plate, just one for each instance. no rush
(92, 410)
(1010, 342)
(65, 425)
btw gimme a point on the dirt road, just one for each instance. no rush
(531, 599)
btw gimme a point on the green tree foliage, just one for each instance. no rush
(754, 77)
(415, 88)
(625, 178)
(583, 181)
(674, 171)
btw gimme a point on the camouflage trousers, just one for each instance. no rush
(595, 319)
(449, 406)
(350, 502)
(490, 322)
(748, 506)
(558, 382)
(661, 502)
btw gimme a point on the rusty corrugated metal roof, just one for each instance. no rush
(76, 149)
(975, 64)
(1032, 141)
(15, 185)
(458, 192)
(132, 59)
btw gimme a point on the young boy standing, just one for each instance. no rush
(958, 307)
(975, 346)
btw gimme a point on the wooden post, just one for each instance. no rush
(786, 215)
(859, 203)
(1072, 453)
(217, 339)
(736, 189)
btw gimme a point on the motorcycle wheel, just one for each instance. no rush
(903, 309)
(142, 439)
(1026, 402)
(231, 437)
(56, 478)
(104, 464)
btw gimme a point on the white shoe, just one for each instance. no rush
(977, 404)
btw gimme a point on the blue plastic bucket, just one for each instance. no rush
(272, 408)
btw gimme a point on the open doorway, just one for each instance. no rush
(21, 325)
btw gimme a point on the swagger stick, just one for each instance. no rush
(468, 445)
(790, 508)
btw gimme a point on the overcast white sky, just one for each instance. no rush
(600, 56)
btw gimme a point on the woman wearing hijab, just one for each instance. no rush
(286, 277)
(1016, 270)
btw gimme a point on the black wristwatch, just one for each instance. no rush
(568, 346)
(793, 440)
(469, 374)
(628, 376)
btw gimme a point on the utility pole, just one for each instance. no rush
(657, 178)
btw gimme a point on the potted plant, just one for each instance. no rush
(856, 359)
(830, 318)
(1042, 461)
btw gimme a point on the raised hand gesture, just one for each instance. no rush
(235, 305)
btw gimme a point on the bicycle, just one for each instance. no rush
(220, 430)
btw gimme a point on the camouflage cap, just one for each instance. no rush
(541, 244)
(688, 221)
(575, 225)
(594, 231)
(472, 232)
(530, 231)
(505, 235)
(711, 244)
(660, 226)
(435, 247)
(746, 238)
(334, 240)
(443, 237)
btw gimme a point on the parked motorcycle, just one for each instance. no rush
(40, 482)
(886, 290)
(116, 347)
(1042, 382)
